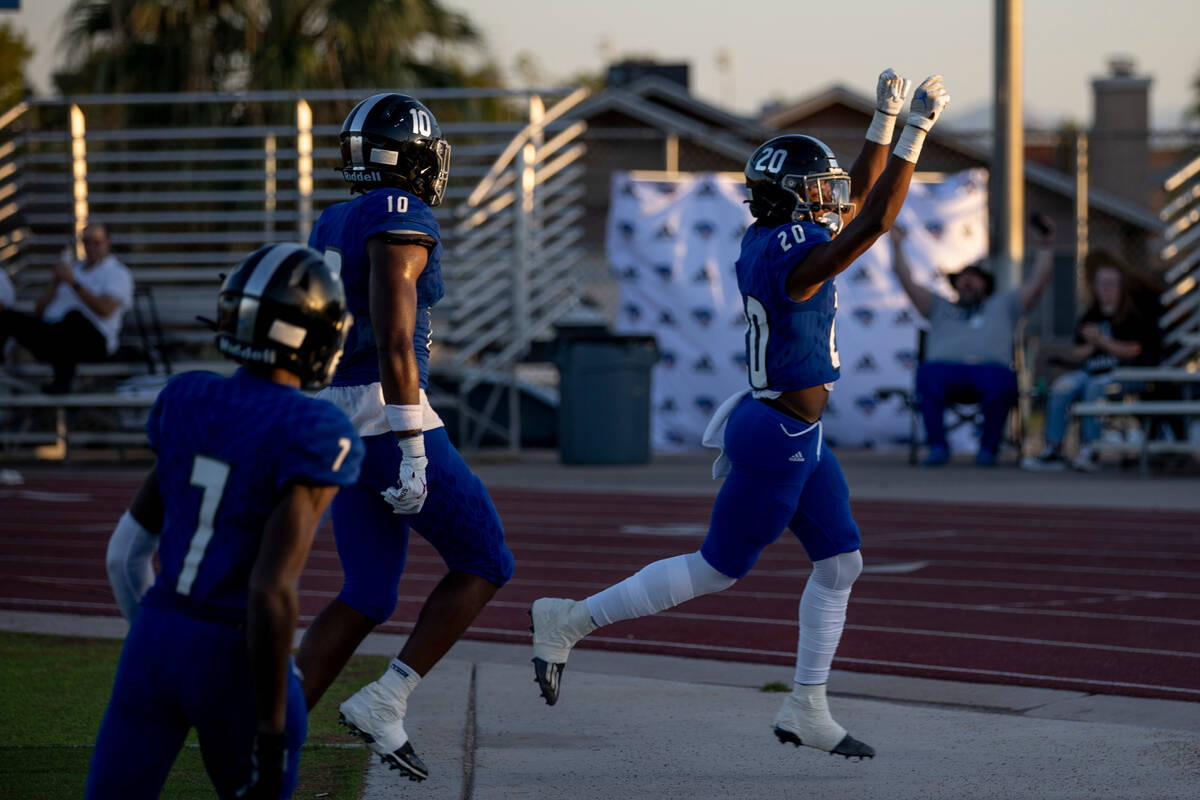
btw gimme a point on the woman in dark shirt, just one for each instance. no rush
(1114, 331)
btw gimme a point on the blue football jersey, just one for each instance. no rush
(227, 450)
(789, 345)
(341, 234)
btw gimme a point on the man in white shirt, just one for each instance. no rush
(79, 316)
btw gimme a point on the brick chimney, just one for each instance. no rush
(1120, 138)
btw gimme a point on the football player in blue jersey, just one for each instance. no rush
(812, 220)
(245, 467)
(387, 245)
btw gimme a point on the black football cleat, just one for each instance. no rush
(848, 746)
(548, 678)
(403, 758)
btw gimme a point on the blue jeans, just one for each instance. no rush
(992, 386)
(1074, 386)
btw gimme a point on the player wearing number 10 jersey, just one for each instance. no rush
(388, 246)
(812, 220)
(245, 467)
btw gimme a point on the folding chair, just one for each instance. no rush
(959, 413)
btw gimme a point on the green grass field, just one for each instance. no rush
(53, 692)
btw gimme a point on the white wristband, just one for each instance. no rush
(912, 139)
(881, 128)
(413, 446)
(405, 418)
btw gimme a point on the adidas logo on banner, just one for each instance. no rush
(798, 457)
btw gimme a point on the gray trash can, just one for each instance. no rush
(604, 405)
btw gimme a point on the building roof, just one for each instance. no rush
(669, 107)
(794, 115)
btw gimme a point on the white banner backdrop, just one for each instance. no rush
(672, 246)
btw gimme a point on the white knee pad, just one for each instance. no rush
(838, 572)
(823, 615)
(658, 586)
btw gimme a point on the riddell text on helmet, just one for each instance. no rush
(245, 352)
(364, 177)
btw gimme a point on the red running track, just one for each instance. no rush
(1096, 601)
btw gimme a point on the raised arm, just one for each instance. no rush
(890, 93)
(1043, 264)
(922, 298)
(882, 204)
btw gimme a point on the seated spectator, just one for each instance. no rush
(78, 318)
(969, 346)
(1116, 330)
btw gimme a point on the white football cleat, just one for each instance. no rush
(804, 719)
(377, 717)
(557, 625)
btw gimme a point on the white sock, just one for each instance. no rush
(656, 587)
(823, 615)
(399, 679)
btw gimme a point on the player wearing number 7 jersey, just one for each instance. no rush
(812, 220)
(245, 467)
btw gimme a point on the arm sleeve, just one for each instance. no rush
(128, 562)
(322, 450)
(410, 237)
(789, 245)
(410, 217)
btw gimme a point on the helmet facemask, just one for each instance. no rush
(821, 198)
(429, 181)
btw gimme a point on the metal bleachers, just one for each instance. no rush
(188, 184)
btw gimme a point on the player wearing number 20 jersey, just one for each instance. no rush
(789, 345)
(812, 220)
(245, 466)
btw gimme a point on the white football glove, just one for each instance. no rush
(891, 92)
(408, 495)
(928, 102)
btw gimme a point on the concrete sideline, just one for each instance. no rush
(872, 475)
(634, 725)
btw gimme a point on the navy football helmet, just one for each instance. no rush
(394, 140)
(284, 307)
(797, 179)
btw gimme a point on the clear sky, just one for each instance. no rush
(785, 49)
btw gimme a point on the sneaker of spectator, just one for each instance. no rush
(1088, 460)
(1050, 460)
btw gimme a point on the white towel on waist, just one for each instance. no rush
(714, 434)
